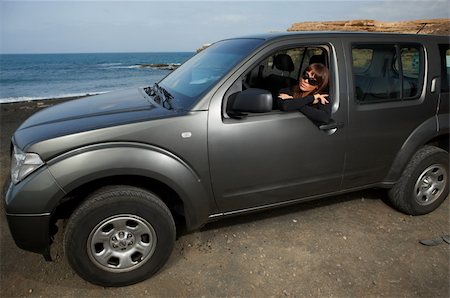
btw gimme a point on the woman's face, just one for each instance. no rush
(304, 84)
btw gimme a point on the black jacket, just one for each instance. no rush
(318, 113)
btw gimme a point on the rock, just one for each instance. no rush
(432, 26)
(169, 66)
(204, 46)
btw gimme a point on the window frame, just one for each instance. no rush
(445, 78)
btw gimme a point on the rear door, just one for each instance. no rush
(388, 101)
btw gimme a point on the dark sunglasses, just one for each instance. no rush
(311, 81)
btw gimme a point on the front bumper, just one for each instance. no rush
(28, 207)
(31, 232)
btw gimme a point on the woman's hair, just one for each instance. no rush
(321, 74)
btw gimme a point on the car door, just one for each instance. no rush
(275, 157)
(388, 102)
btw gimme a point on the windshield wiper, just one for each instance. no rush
(164, 95)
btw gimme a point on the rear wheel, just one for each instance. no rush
(119, 236)
(424, 182)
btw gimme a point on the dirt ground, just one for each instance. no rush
(349, 245)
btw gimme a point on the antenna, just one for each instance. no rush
(423, 26)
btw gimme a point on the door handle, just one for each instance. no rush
(433, 85)
(332, 125)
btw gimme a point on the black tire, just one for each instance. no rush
(122, 222)
(423, 185)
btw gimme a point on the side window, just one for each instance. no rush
(277, 71)
(411, 67)
(282, 69)
(379, 76)
(282, 66)
(362, 58)
(445, 67)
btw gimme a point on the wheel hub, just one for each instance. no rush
(430, 184)
(426, 182)
(122, 240)
(121, 243)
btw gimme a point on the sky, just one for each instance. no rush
(176, 26)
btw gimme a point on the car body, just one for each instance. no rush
(206, 142)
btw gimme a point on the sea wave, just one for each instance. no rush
(123, 67)
(167, 66)
(33, 98)
(164, 66)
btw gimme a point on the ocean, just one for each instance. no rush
(25, 77)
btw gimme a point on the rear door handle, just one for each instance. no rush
(433, 85)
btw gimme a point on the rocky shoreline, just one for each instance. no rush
(431, 26)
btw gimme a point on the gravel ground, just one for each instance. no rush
(349, 245)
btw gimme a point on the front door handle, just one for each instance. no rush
(331, 125)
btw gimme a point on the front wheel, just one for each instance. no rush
(119, 236)
(424, 182)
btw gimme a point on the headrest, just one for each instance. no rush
(317, 59)
(283, 62)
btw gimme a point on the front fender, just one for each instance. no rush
(76, 168)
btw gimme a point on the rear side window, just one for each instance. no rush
(387, 72)
(445, 67)
(362, 58)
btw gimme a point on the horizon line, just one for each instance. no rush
(62, 53)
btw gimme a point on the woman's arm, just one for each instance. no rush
(295, 103)
(319, 113)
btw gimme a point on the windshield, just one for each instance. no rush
(200, 73)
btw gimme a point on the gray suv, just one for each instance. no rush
(208, 142)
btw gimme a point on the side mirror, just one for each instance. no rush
(253, 100)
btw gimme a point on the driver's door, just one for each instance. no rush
(274, 157)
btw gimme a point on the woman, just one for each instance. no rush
(308, 96)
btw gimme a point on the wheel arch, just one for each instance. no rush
(425, 134)
(147, 167)
(167, 195)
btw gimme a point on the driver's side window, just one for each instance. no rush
(278, 70)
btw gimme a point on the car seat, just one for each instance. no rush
(275, 82)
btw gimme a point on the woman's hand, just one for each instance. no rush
(322, 98)
(284, 96)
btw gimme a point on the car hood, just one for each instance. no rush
(92, 106)
(89, 113)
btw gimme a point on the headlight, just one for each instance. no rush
(23, 164)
